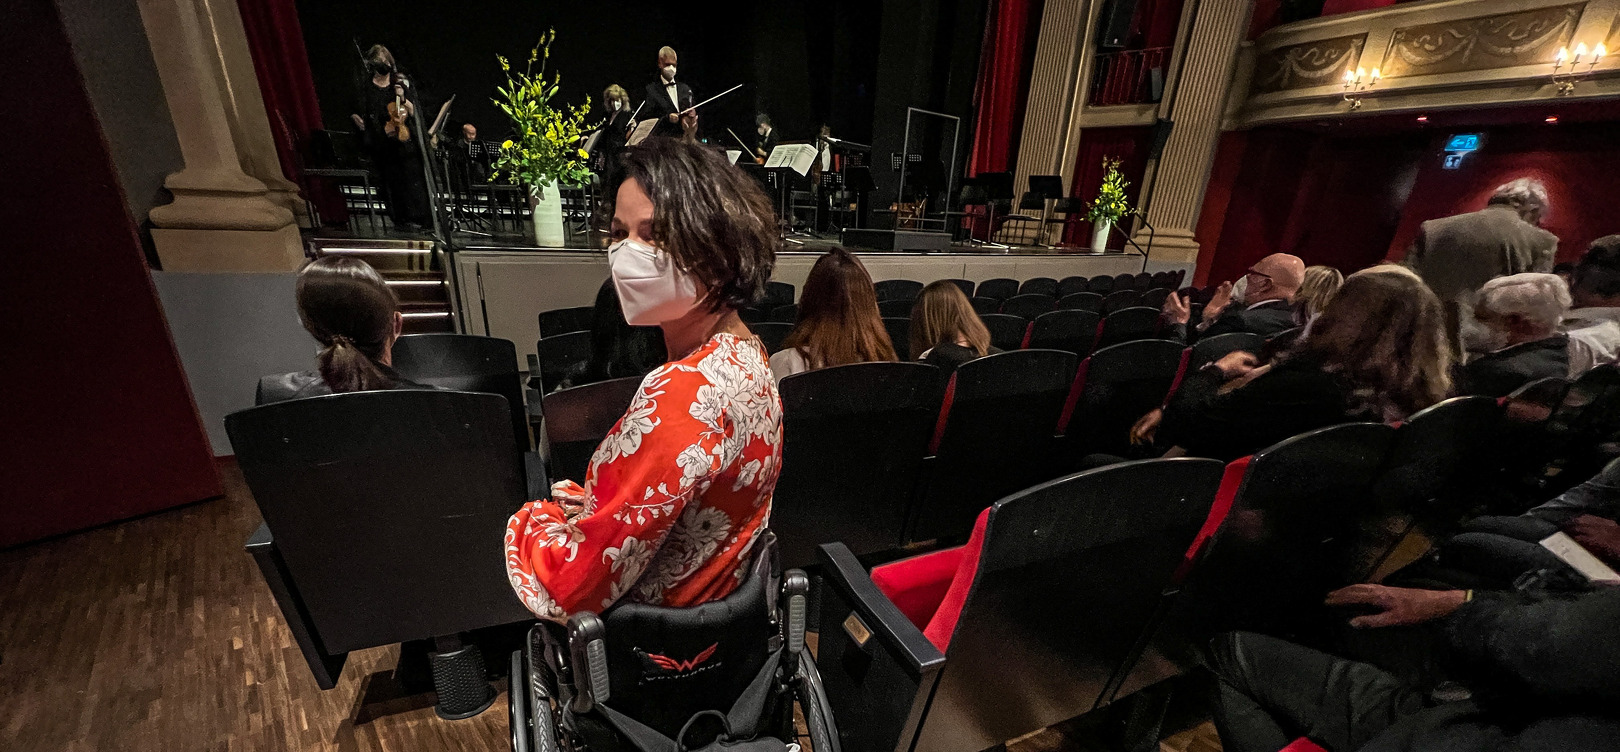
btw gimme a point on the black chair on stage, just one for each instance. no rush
(1006, 331)
(854, 440)
(1039, 286)
(578, 418)
(1071, 285)
(1101, 285)
(558, 355)
(1154, 297)
(467, 363)
(999, 416)
(1214, 348)
(999, 288)
(1129, 325)
(565, 320)
(899, 328)
(1119, 300)
(1069, 331)
(1036, 620)
(384, 513)
(1081, 301)
(785, 313)
(771, 334)
(897, 309)
(967, 285)
(1117, 386)
(897, 289)
(983, 306)
(1027, 306)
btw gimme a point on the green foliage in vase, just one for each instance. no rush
(1110, 203)
(547, 137)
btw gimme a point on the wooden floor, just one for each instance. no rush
(159, 634)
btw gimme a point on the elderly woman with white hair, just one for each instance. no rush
(1518, 316)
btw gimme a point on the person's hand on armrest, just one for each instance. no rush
(1396, 607)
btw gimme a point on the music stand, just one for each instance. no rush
(1049, 188)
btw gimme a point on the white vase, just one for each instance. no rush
(1099, 235)
(548, 217)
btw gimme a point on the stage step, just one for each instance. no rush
(413, 272)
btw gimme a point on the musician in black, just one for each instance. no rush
(616, 127)
(471, 155)
(667, 100)
(764, 136)
(398, 162)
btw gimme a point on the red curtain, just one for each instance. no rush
(1130, 145)
(282, 66)
(1005, 60)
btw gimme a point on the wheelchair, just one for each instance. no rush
(643, 678)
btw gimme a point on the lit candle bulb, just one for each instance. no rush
(1376, 74)
(1580, 51)
(1349, 76)
(1598, 53)
(1563, 54)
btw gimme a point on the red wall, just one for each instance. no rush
(99, 423)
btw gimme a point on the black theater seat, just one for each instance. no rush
(1028, 305)
(771, 334)
(577, 419)
(468, 363)
(899, 328)
(1068, 330)
(557, 356)
(1117, 386)
(1128, 325)
(1081, 301)
(999, 288)
(1071, 285)
(565, 320)
(897, 289)
(1039, 286)
(1006, 331)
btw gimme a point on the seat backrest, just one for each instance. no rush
(897, 289)
(785, 313)
(899, 328)
(1006, 330)
(1129, 324)
(1122, 383)
(1000, 414)
(1028, 305)
(428, 477)
(966, 285)
(1214, 348)
(983, 306)
(565, 320)
(1081, 301)
(895, 308)
(1142, 281)
(665, 665)
(560, 354)
(1154, 297)
(1068, 580)
(1120, 300)
(777, 294)
(1124, 281)
(1068, 330)
(854, 438)
(999, 288)
(1534, 402)
(771, 334)
(578, 418)
(1039, 286)
(1031, 201)
(467, 363)
(1101, 285)
(1590, 411)
(1071, 285)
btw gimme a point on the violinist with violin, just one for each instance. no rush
(386, 120)
(764, 137)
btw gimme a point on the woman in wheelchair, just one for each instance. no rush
(679, 492)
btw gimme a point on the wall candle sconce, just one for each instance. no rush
(1569, 67)
(1357, 81)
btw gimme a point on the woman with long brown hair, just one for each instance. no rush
(945, 330)
(839, 321)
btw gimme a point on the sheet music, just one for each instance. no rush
(797, 156)
(590, 143)
(641, 131)
(732, 155)
(1578, 558)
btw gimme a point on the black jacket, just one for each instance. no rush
(1294, 397)
(765, 143)
(659, 107)
(948, 355)
(287, 386)
(1499, 373)
(1266, 319)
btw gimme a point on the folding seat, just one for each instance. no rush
(468, 363)
(1161, 279)
(854, 440)
(565, 320)
(1281, 342)
(1214, 348)
(556, 356)
(578, 418)
(777, 294)
(1071, 285)
(1101, 285)
(899, 328)
(1125, 282)
(1028, 306)
(1129, 325)
(1036, 620)
(1070, 331)
(966, 285)
(771, 334)
(1081, 301)
(1142, 281)
(1039, 286)
(1115, 387)
(1570, 445)
(897, 289)
(895, 309)
(994, 431)
(785, 313)
(1119, 300)
(383, 519)
(999, 288)
(983, 306)
(1006, 331)
(1154, 297)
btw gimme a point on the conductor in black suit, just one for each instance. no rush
(667, 99)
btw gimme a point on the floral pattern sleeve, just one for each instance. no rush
(673, 499)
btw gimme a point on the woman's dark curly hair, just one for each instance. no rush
(712, 218)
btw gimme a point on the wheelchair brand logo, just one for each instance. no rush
(664, 667)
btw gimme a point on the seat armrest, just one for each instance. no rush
(842, 572)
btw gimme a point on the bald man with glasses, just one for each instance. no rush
(1267, 307)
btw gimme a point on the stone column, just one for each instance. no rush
(221, 219)
(1201, 87)
(1063, 60)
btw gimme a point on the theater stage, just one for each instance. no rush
(501, 290)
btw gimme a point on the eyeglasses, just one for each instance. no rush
(1260, 274)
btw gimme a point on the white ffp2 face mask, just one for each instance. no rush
(669, 72)
(652, 289)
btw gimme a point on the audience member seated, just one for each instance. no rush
(1320, 285)
(677, 495)
(1518, 317)
(1594, 324)
(839, 321)
(1266, 306)
(1378, 353)
(347, 307)
(945, 330)
(1531, 671)
(618, 350)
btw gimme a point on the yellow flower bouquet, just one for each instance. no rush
(545, 147)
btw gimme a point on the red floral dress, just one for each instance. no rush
(673, 500)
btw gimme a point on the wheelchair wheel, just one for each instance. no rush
(530, 712)
(812, 697)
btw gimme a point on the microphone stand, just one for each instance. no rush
(1132, 241)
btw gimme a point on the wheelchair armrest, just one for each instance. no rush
(587, 641)
(842, 572)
